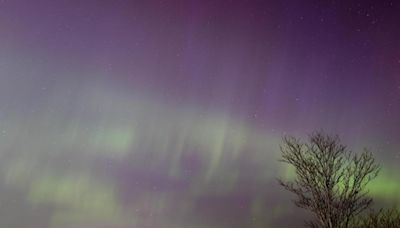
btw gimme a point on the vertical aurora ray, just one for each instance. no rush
(170, 113)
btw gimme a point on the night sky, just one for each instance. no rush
(169, 113)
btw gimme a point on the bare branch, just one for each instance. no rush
(330, 181)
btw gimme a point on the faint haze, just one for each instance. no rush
(170, 113)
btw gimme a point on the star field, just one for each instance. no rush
(170, 113)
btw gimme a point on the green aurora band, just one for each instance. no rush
(56, 163)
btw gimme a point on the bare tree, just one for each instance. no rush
(330, 181)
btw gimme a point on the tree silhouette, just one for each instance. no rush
(379, 219)
(330, 180)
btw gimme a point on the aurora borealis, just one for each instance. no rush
(169, 113)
